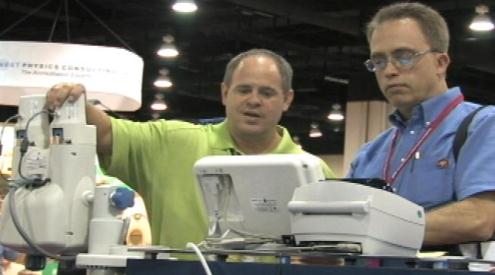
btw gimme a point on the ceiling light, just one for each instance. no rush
(336, 113)
(482, 21)
(163, 80)
(184, 6)
(314, 131)
(158, 104)
(168, 49)
(334, 79)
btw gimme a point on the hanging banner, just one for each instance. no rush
(111, 75)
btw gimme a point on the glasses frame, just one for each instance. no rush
(414, 58)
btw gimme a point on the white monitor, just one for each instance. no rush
(247, 196)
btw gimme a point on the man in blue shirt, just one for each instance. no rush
(408, 54)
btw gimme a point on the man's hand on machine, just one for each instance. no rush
(61, 92)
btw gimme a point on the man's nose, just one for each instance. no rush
(390, 69)
(254, 98)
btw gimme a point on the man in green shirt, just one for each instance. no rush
(157, 157)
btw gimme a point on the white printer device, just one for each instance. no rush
(267, 196)
(376, 221)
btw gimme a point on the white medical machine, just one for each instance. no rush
(246, 196)
(53, 208)
(54, 173)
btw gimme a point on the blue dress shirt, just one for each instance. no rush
(432, 177)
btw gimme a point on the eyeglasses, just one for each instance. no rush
(401, 59)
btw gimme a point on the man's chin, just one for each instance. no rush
(250, 129)
(400, 101)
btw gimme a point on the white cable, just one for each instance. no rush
(243, 233)
(200, 256)
(5, 123)
(15, 219)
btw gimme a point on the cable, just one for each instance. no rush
(67, 20)
(24, 18)
(31, 119)
(105, 25)
(200, 256)
(224, 208)
(253, 235)
(24, 147)
(24, 235)
(54, 25)
(105, 107)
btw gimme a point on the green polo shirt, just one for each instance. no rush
(156, 159)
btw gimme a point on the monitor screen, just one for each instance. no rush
(247, 196)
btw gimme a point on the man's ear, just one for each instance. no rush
(288, 97)
(224, 90)
(443, 62)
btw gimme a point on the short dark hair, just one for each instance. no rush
(432, 24)
(283, 66)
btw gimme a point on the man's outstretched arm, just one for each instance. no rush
(62, 92)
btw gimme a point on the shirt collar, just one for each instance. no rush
(223, 140)
(427, 110)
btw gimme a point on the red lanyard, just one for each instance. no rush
(432, 127)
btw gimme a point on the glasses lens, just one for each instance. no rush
(402, 59)
(369, 65)
(405, 60)
(380, 62)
